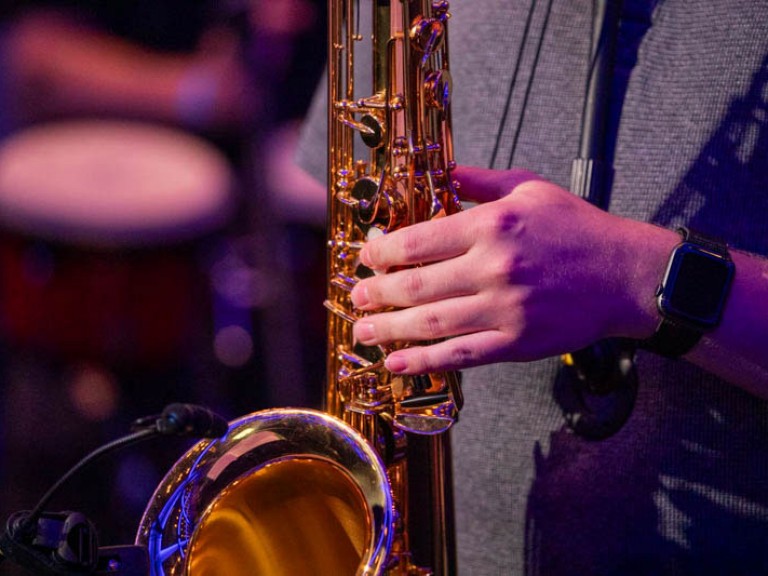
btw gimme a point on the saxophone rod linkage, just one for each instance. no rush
(366, 104)
(345, 244)
(344, 315)
(355, 125)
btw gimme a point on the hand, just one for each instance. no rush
(533, 271)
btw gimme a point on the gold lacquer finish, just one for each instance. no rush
(363, 487)
(294, 516)
(390, 162)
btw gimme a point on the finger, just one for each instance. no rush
(415, 286)
(429, 241)
(428, 322)
(485, 185)
(452, 354)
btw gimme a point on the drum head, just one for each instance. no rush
(112, 184)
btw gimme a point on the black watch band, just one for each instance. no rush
(680, 330)
(672, 339)
(708, 243)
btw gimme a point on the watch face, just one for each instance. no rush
(696, 285)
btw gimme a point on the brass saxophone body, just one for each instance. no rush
(398, 174)
(363, 486)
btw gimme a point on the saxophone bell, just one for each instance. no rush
(285, 492)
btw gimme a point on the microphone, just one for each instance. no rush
(191, 420)
(596, 386)
(65, 542)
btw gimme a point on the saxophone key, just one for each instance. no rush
(366, 395)
(375, 135)
(427, 34)
(343, 282)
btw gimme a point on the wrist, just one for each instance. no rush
(644, 255)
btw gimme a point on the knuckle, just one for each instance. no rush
(410, 244)
(414, 284)
(503, 222)
(461, 356)
(432, 325)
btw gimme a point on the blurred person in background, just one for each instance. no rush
(175, 62)
(232, 74)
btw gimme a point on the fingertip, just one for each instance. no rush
(365, 256)
(364, 332)
(396, 363)
(360, 296)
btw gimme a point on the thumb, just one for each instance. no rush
(486, 185)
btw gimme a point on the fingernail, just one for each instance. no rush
(365, 332)
(395, 364)
(360, 296)
(364, 258)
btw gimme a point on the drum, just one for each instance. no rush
(101, 223)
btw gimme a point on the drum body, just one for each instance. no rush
(101, 225)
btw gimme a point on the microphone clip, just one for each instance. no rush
(53, 543)
(66, 544)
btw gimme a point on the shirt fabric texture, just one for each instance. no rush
(682, 488)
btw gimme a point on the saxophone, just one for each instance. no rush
(363, 486)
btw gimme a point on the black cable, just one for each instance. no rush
(30, 519)
(513, 82)
(529, 87)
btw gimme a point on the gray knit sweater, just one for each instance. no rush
(682, 488)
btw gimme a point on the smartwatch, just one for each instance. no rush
(692, 294)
